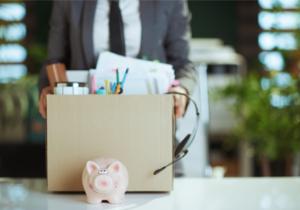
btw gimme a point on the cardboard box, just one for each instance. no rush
(137, 130)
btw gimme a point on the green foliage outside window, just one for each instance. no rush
(274, 132)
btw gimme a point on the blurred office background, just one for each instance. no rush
(248, 58)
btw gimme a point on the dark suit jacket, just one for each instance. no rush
(165, 33)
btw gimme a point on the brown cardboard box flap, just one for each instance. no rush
(137, 130)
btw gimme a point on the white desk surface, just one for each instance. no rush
(188, 194)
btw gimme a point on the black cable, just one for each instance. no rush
(184, 153)
(190, 99)
(182, 148)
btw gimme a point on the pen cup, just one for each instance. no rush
(56, 72)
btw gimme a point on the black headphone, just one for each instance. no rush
(181, 149)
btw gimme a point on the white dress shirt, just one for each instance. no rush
(132, 26)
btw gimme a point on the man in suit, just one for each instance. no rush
(152, 29)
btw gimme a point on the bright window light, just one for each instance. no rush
(286, 41)
(272, 60)
(12, 11)
(13, 32)
(266, 20)
(283, 79)
(266, 4)
(265, 83)
(266, 41)
(280, 101)
(289, 4)
(11, 72)
(282, 41)
(280, 23)
(12, 53)
(286, 4)
(279, 20)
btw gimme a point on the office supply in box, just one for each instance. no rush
(81, 76)
(137, 130)
(71, 88)
(144, 77)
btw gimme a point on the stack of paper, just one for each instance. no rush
(144, 77)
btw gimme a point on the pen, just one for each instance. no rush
(113, 86)
(124, 78)
(117, 74)
(118, 89)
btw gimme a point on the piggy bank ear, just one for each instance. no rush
(115, 167)
(91, 167)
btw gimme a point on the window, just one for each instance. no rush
(279, 21)
(12, 33)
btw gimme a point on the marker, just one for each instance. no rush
(93, 85)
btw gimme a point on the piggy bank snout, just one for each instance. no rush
(103, 183)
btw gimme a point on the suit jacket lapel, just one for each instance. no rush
(87, 32)
(147, 14)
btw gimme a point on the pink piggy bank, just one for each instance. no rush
(105, 179)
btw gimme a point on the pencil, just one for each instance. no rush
(107, 87)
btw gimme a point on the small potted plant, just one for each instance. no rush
(268, 110)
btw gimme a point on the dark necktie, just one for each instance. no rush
(116, 28)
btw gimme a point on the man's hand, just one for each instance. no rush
(180, 101)
(43, 101)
